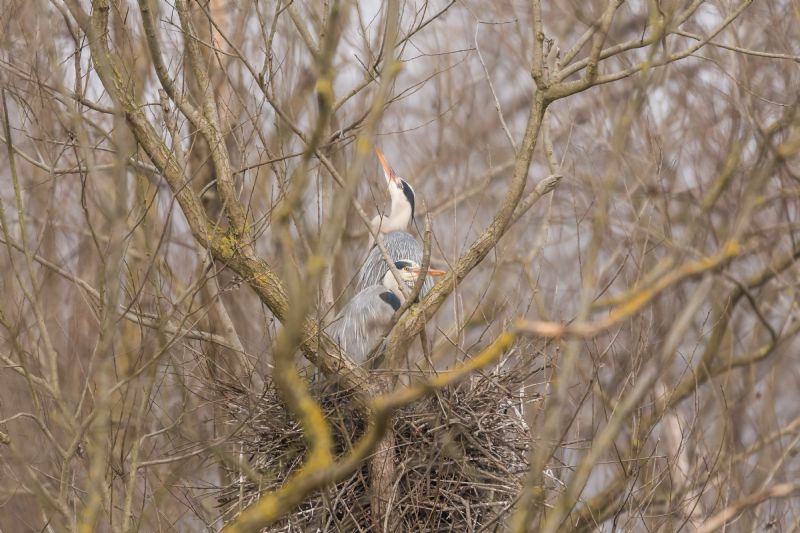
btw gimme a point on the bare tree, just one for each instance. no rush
(185, 200)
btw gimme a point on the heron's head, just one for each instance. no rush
(399, 189)
(409, 272)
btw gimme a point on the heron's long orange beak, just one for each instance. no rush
(431, 272)
(391, 177)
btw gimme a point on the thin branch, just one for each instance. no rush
(783, 490)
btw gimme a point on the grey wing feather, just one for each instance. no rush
(361, 323)
(399, 245)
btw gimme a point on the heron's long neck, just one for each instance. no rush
(397, 292)
(396, 221)
(400, 216)
(391, 283)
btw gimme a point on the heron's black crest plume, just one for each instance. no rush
(409, 193)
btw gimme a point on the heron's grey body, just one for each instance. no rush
(362, 322)
(399, 245)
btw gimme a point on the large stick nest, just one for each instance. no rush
(460, 455)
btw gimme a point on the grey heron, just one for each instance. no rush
(359, 326)
(398, 242)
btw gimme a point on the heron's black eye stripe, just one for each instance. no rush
(391, 298)
(409, 193)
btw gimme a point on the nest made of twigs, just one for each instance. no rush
(460, 455)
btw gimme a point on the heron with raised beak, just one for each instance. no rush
(399, 244)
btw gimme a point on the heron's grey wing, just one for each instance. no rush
(399, 245)
(378, 321)
(360, 324)
(370, 271)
